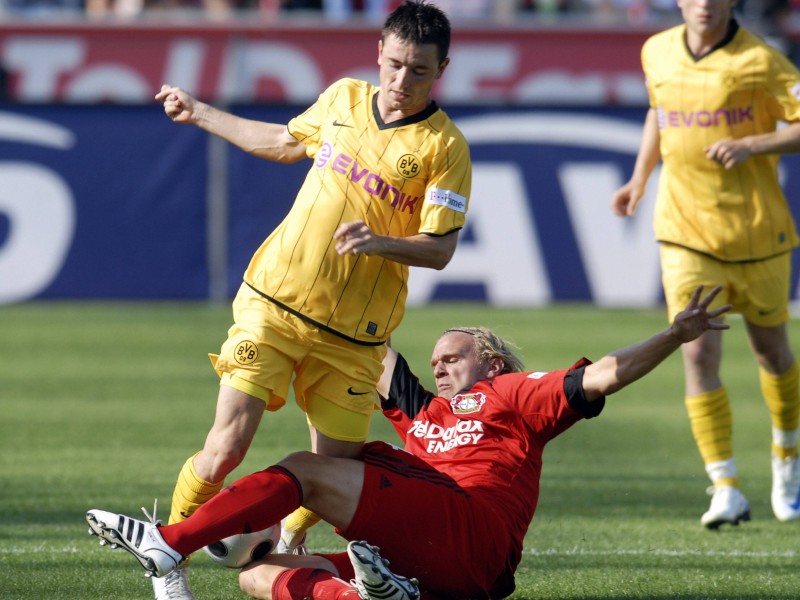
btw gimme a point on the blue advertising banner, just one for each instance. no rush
(119, 202)
(100, 202)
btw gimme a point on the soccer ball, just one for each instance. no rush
(238, 550)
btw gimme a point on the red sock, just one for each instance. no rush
(300, 584)
(252, 503)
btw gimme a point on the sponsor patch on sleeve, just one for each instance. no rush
(447, 198)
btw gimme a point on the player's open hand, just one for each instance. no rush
(695, 319)
(178, 104)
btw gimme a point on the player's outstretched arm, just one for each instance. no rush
(265, 140)
(622, 367)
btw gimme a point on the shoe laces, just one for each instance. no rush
(176, 585)
(152, 518)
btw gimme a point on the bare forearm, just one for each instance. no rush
(270, 141)
(649, 150)
(623, 367)
(419, 250)
(783, 141)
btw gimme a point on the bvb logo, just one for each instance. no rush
(408, 166)
(729, 79)
(246, 353)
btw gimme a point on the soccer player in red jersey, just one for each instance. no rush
(470, 471)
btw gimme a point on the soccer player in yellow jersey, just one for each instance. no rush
(388, 188)
(717, 96)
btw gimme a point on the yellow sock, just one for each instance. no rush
(782, 397)
(297, 523)
(712, 425)
(190, 492)
(731, 481)
(783, 452)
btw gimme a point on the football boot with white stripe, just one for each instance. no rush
(140, 538)
(374, 580)
(728, 505)
(786, 488)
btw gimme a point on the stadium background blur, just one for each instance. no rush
(550, 95)
(107, 206)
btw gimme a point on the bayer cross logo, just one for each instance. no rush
(408, 166)
(246, 353)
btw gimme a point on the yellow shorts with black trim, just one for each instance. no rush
(758, 290)
(268, 349)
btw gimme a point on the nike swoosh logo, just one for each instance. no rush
(352, 392)
(796, 504)
(337, 124)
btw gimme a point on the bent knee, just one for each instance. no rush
(300, 460)
(253, 585)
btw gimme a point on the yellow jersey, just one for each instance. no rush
(743, 87)
(403, 178)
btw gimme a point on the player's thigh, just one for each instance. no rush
(335, 386)
(262, 349)
(683, 270)
(763, 291)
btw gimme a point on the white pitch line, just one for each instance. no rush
(792, 554)
(664, 552)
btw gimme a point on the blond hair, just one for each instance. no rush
(488, 345)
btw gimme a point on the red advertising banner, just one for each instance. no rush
(91, 63)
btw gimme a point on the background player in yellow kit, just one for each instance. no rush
(717, 93)
(388, 188)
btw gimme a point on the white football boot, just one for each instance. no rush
(174, 586)
(786, 488)
(728, 505)
(374, 580)
(140, 538)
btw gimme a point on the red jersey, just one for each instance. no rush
(490, 438)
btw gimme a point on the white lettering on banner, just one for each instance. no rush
(29, 130)
(621, 264)
(233, 64)
(40, 63)
(499, 219)
(594, 88)
(184, 64)
(559, 86)
(470, 65)
(40, 210)
(105, 83)
(248, 63)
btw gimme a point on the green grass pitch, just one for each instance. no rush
(101, 403)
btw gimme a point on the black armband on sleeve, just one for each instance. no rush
(405, 391)
(576, 397)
